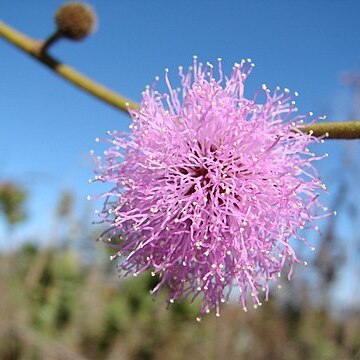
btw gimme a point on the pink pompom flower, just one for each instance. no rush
(210, 188)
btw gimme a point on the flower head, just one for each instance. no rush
(210, 187)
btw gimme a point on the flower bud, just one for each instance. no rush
(75, 20)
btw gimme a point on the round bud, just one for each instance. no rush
(75, 20)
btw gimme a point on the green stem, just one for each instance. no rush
(33, 48)
(332, 130)
(335, 130)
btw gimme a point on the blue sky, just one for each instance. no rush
(48, 126)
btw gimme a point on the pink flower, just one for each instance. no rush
(210, 187)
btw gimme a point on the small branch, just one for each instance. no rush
(33, 48)
(335, 130)
(57, 35)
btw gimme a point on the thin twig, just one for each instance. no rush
(332, 130)
(335, 130)
(56, 36)
(33, 48)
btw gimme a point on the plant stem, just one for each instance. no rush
(37, 49)
(57, 35)
(33, 48)
(335, 130)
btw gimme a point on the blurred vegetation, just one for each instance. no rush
(72, 310)
(12, 199)
(65, 301)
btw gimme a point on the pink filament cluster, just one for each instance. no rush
(209, 187)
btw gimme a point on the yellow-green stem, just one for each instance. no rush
(332, 130)
(33, 48)
(335, 130)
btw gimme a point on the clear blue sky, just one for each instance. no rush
(48, 126)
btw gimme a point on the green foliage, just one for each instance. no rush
(12, 199)
(58, 304)
(72, 308)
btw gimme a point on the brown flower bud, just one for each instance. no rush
(75, 20)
